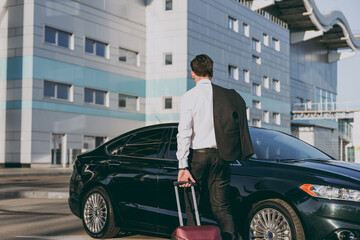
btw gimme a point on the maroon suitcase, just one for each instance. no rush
(207, 232)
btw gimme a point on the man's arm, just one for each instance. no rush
(184, 139)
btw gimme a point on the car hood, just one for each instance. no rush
(334, 167)
(328, 170)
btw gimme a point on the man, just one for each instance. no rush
(213, 132)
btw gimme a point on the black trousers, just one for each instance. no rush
(212, 175)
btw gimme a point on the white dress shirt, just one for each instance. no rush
(196, 126)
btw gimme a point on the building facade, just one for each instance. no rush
(76, 73)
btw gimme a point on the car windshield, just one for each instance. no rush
(272, 145)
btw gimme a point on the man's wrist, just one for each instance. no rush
(184, 168)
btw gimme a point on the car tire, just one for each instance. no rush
(273, 219)
(98, 214)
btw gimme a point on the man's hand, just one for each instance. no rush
(184, 176)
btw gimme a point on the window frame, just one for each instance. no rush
(165, 61)
(256, 89)
(234, 26)
(246, 75)
(233, 72)
(94, 48)
(276, 85)
(137, 56)
(164, 102)
(56, 88)
(93, 103)
(56, 43)
(246, 29)
(137, 99)
(165, 5)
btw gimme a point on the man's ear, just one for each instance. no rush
(193, 75)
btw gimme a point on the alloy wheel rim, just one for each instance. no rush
(95, 213)
(269, 224)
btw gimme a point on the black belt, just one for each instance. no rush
(206, 150)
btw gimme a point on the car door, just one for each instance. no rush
(168, 172)
(134, 165)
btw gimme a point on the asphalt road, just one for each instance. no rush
(41, 218)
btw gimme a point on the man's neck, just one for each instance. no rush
(197, 79)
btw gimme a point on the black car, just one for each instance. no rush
(286, 190)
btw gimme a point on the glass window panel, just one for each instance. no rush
(50, 35)
(100, 97)
(122, 55)
(168, 103)
(99, 141)
(49, 89)
(168, 5)
(168, 59)
(132, 58)
(89, 45)
(62, 91)
(89, 95)
(145, 144)
(122, 102)
(63, 39)
(173, 146)
(100, 49)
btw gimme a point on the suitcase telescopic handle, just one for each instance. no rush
(176, 184)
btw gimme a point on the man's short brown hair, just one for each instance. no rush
(202, 65)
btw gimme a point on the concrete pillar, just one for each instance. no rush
(64, 150)
(356, 136)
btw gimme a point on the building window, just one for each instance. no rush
(129, 57)
(168, 5)
(256, 104)
(266, 39)
(92, 142)
(256, 46)
(266, 83)
(276, 118)
(233, 72)
(248, 114)
(246, 76)
(168, 103)
(168, 59)
(59, 38)
(266, 116)
(129, 102)
(256, 122)
(246, 29)
(57, 90)
(94, 96)
(276, 85)
(256, 59)
(233, 24)
(256, 89)
(276, 44)
(97, 48)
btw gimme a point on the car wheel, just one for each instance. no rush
(98, 214)
(274, 219)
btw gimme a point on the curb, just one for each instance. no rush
(68, 173)
(34, 194)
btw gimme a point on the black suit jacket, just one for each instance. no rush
(230, 123)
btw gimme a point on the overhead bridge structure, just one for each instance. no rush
(306, 22)
(317, 111)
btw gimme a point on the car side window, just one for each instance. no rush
(117, 147)
(171, 154)
(145, 144)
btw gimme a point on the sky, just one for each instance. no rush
(348, 69)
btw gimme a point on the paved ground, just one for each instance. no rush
(33, 205)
